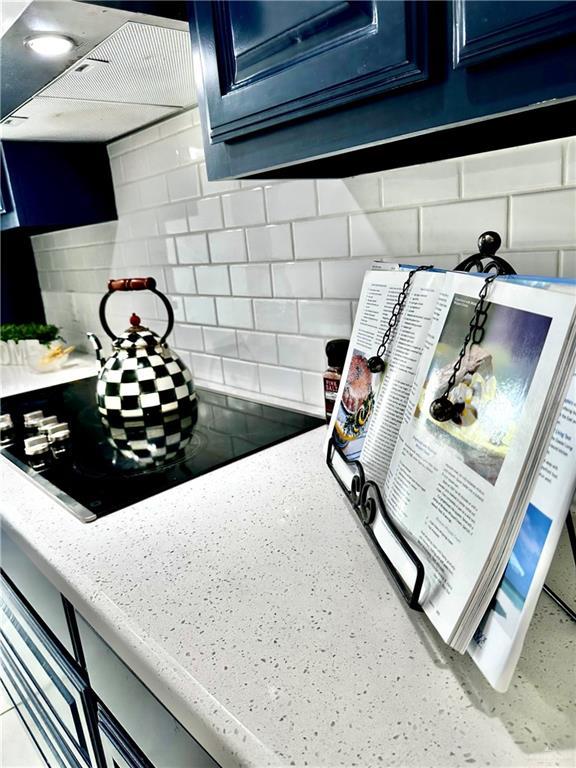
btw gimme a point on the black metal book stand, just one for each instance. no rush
(365, 496)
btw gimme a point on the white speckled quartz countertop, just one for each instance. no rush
(249, 601)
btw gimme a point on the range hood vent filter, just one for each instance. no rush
(137, 64)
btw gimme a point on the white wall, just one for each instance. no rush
(261, 274)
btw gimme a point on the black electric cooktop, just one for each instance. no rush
(94, 479)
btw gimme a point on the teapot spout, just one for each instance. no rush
(95, 341)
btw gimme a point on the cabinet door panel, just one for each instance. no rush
(488, 29)
(42, 596)
(268, 62)
(53, 745)
(158, 735)
(119, 749)
(56, 686)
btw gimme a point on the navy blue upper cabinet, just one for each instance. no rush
(488, 29)
(280, 61)
(284, 87)
(50, 185)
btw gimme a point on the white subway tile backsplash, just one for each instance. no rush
(276, 315)
(242, 375)
(134, 253)
(142, 224)
(128, 198)
(313, 388)
(251, 280)
(536, 166)
(257, 347)
(235, 313)
(162, 250)
(192, 249)
(220, 341)
(420, 184)
(183, 183)
(244, 208)
(294, 280)
(146, 136)
(215, 187)
(227, 245)
(172, 219)
(153, 191)
(280, 263)
(545, 218)
(134, 165)
(213, 280)
(281, 382)
(204, 214)
(568, 264)
(117, 171)
(302, 352)
(177, 303)
(206, 367)
(200, 309)
(544, 263)
(457, 225)
(321, 238)
(390, 233)
(343, 279)
(162, 155)
(178, 123)
(570, 162)
(188, 145)
(189, 337)
(358, 193)
(270, 243)
(180, 279)
(325, 318)
(291, 200)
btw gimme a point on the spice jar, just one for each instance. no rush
(336, 350)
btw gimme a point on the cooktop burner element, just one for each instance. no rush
(92, 478)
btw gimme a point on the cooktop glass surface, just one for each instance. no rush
(95, 479)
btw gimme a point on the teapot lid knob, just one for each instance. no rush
(134, 319)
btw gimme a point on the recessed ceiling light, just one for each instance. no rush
(50, 45)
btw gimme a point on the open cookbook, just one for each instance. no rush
(480, 497)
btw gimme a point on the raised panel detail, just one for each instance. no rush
(488, 29)
(280, 61)
(294, 32)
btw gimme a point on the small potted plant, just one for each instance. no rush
(36, 344)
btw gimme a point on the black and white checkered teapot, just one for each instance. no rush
(145, 394)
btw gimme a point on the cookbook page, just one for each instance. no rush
(450, 484)
(498, 641)
(370, 406)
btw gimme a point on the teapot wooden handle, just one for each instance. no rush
(135, 284)
(132, 284)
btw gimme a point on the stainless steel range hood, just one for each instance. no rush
(127, 70)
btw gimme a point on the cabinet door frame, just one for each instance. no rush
(117, 746)
(539, 29)
(252, 104)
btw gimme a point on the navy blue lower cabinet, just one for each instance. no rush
(52, 185)
(119, 749)
(282, 86)
(131, 715)
(46, 688)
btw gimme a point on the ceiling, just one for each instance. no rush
(127, 71)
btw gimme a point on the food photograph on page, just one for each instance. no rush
(491, 385)
(506, 608)
(357, 405)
